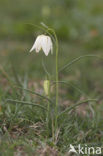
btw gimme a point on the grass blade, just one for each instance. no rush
(6, 76)
(75, 105)
(26, 103)
(30, 91)
(72, 85)
(75, 60)
(15, 74)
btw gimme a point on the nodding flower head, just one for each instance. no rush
(43, 42)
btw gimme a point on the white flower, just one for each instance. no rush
(43, 42)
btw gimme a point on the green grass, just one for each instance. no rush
(78, 25)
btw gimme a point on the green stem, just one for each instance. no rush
(56, 108)
(56, 61)
(48, 112)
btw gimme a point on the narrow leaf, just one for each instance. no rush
(75, 105)
(44, 97)
(26, 103)
(72, 85)
(75, 60)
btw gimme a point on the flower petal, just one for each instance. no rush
(46, 44)
(37, 44)
(33, 47)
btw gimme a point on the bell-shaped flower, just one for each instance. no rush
(43, 42)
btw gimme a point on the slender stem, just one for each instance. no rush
(56, 108)
(48, 112)
(56, 78)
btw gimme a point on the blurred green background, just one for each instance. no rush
(72, 19)
(79, 27)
